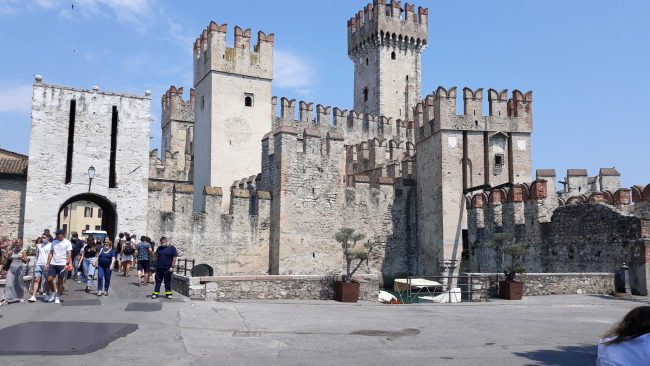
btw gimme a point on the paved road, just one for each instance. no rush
(551, 330)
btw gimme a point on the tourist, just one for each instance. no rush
(152, 258)
(143, 253)
(77, 245)
(119, 244)
(128, 251)
(628, 343)
(166, 255)
(43, 247)
(105, 262)
(58, 262)
(88, 255)
(14, 261)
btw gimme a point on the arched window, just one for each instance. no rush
(248, 100)
(393, 55)
(365, 94)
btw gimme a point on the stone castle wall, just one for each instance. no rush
(12, 210)
(595, 233)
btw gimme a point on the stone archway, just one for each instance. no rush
(109, 211)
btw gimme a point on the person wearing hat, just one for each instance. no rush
(58, 263)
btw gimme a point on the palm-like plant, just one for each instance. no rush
(349, 239)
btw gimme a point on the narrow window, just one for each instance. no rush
(366, 61)
(248, 100)
(202, 102)
(365, 94)
(112, 179)
(205, 57)
(99, 213)
(65, 228)
(68, 162)
(98, 227)
(87, 227)
(87, 212)
(393, 55)
(498, 164)
(65, 211)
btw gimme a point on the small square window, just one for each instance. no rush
(498, 160)
(248, 99)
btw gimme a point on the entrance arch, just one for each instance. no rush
(109, 211)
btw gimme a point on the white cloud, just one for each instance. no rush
(293, 71)
(15, 97)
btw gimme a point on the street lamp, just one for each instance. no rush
(91, 176)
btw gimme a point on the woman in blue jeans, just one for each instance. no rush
(105, 261)
(88, 255)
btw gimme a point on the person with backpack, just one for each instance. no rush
(128, 250)
(166, 255)
(119, 245)
(143, 253)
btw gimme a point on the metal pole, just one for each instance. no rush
(626, 277)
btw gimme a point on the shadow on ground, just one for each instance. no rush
(563, 356)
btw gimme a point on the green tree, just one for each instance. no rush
(505, 245)
(351, 251)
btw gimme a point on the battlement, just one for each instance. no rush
(355, 127)
(438, 112)
(174, 107)
(212, 53)
(388, 25)
(578, 182)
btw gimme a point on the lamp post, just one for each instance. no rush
(91, 176)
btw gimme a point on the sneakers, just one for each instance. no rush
(99, 293)
(169, 297)
(32, 299)
(50, 297)
(56, 300)
(154, 296)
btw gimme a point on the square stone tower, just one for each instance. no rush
(385, 43)
(458, 154)
(233, 107)
(74, 130)
(177, 122)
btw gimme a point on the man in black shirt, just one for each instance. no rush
(77, 245)
(166, 255)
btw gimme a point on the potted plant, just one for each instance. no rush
(510, 288)
(348, 290)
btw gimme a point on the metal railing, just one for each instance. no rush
(182, 266)
(438, 289)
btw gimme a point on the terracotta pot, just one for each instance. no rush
(511, 290)
(346, 292)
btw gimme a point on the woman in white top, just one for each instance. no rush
(628, 343)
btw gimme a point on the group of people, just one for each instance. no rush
(84, 260)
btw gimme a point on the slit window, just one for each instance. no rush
(365, 94)
(71, 122)
(112, 179)
(366, 61)
(248, 100)
(393, 55)
(99, 213)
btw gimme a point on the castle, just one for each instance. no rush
(247, 184)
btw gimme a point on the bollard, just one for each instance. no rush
(622, 279)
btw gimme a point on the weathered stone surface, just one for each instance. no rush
(299, 287)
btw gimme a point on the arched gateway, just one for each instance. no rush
(108, 211)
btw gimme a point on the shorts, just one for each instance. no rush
(38, 271)
(144, 265)
(127, 257)
(56, 271)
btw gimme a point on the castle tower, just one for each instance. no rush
(233, 105)
(460, 154)
(177, 122)
(385, 42)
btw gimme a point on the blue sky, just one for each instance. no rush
(586, 61)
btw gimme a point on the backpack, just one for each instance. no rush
(128, 249)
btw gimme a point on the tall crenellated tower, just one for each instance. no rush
(177, 122)
(385, 42)
(233, 105)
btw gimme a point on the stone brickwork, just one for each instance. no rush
(93, 117)
(486, 285)
(594, 233)
(12, 210)
(233, 106)
(294, 287)
(460, 152)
